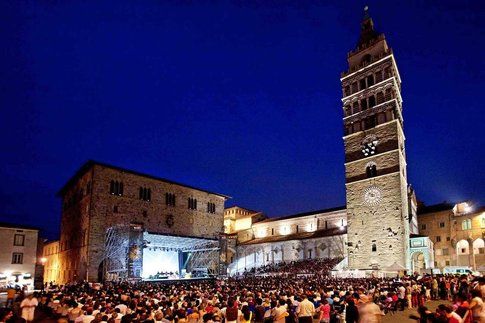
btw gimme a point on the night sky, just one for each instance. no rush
(237, 97)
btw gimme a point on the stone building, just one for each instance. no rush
(50, 257)
(101, 196)
(18, 256)
(458, 233)
(316, 234)
(375, 158)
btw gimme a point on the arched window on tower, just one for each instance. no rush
(378, 76)
(372, 101)
(348, 110)
(374, 247)
(370, 80)
(356, 107)
(380, 97)
(388, 94)
(371, 170)
(363, 104)
(347, 90)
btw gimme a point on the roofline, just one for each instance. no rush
(173, 235)
(91, 163)
(298, 215)
(332, 232)
(17, 226)
(240, 207)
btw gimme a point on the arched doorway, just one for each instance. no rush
(418, 262)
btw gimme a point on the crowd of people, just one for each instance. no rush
(308, 266)
(290, 298)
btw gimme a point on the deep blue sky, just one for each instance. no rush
(239, 97)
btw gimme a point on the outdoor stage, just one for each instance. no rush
(172, 258)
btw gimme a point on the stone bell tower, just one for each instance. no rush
(375, 158)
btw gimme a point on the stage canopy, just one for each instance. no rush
(185, 256)
(160, 242)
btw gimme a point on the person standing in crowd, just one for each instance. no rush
(369, 312)
(477, 307)
(280, 313)
(259, 311)
(11, 292)
(5, 314)
(231, 313)
(305, 310)
(28, 306)
(324, 310)
(351, 311)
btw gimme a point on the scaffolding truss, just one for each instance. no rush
(116, 250)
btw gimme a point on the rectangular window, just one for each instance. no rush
(192, 203)
(447, 263)
(466, 224)
(211, 207)
(362, 84)
(438, 238)
(19, 240)
(115, 188)
(145, 194)
(170, 199)
(442, 224)
(445, 252)
(17, 258)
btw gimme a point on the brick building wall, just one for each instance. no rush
(96, 207)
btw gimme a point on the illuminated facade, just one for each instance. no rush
(50, 259)
(18, 255)
(458, 233)
(317, 234)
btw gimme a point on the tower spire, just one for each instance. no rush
(367, 32)
(366, 13)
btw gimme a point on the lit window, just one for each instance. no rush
(466, 224)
